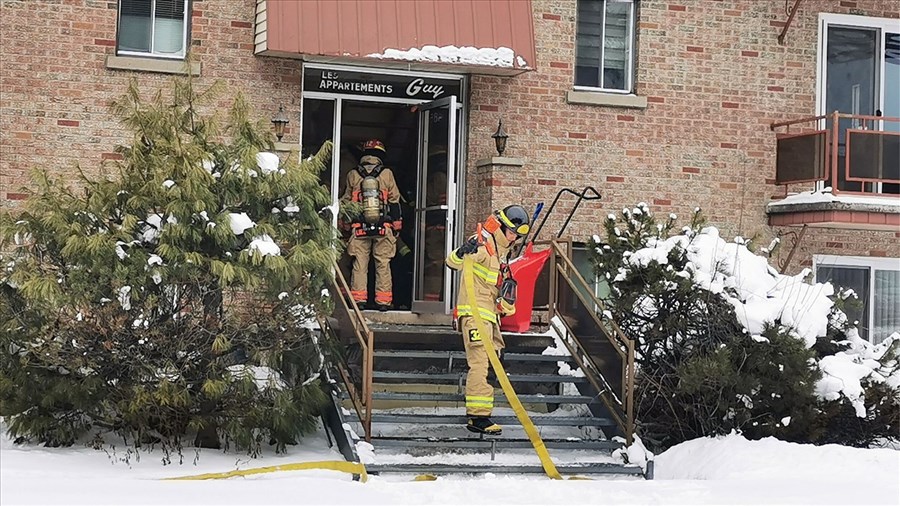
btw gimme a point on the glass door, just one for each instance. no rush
(435, 204)
(860, 73)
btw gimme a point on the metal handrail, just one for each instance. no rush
(362, 399)
(832, 165)
(564, 266)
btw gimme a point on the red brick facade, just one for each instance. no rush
(712, 72)
(714, 77)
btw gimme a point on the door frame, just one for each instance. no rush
(454, 107)
(827, 19)
(460, 147)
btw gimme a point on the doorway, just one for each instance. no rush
(422, 140)
(395, 125)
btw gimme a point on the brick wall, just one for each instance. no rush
(712, 71)
(715, 78)
(55, 89)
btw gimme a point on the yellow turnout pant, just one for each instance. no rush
(383, 249)
(479, 393)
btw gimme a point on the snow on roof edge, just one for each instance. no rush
(466, 55)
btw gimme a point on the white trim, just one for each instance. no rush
(179, 57)
(365, 98)
(630, 50)
(336, 134)
(629, 58)
(595, 89)
(185, 27)
(377, 70)
(855, 20)
(881, 263)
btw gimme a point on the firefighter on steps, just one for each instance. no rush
(492, 284)
(373, 232)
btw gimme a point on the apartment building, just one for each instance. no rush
(780, 118)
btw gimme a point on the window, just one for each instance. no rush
(604, 45)
(153, 28)
(582, 259)
(859, 73)
(876, 282)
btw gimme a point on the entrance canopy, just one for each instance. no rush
(475, 36)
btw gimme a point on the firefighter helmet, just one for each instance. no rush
(374, 147)
(514, 218)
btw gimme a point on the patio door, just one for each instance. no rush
(860, 75)
(435, 204)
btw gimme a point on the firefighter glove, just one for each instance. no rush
(468, 248)
(505, 308)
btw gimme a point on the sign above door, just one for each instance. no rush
(358, 82)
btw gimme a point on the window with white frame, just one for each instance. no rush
(153, 28)
(604, 45)
(859, 74)
(876, 281)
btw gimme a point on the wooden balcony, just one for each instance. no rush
(849, 165)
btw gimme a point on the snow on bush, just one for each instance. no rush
(844, 372)
(723, 341)
(267, 162)
(761, 296)
(635, 454)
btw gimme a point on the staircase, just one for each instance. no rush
(418, 418)
(398, 393)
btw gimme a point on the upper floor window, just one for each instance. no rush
(153, 28)
(604, 45)
(859, 76)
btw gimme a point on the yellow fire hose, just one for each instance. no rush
(511, 397)
(359, 469)
(335, 465)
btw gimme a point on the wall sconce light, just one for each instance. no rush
(280, 120)
(500, 138)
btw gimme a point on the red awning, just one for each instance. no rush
(479, 36)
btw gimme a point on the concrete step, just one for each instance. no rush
(598, 468)
(461, 355)
(486, 443)
(544, 420)
(438, 397)
(460, 377)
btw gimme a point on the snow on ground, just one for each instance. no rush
(726, 470)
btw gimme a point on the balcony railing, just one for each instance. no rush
(853, 154)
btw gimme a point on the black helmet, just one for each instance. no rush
(514, 218)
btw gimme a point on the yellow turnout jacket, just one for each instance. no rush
(486, 267)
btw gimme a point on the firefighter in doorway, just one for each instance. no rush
(373, 232)
(491, 272)
(435, 224)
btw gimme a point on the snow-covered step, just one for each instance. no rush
(569, 421)
(498, 443)
(455, 377)
(567, 470)
(437, 397)
(461, 355)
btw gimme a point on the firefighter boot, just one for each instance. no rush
(483, 425)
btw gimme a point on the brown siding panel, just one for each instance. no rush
(358, 28)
